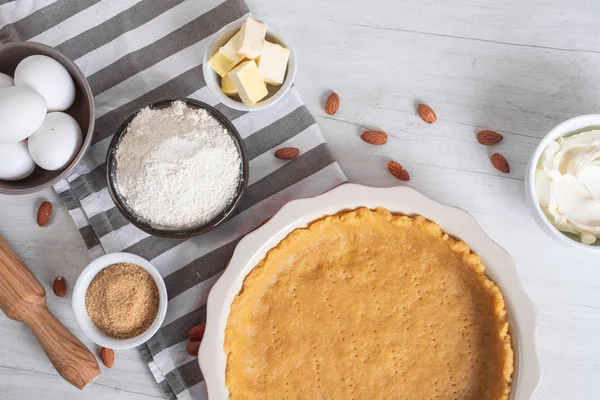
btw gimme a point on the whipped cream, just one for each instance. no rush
(567, 184)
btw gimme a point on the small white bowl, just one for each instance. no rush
(82, 317)
(574, 125)
(213, 80)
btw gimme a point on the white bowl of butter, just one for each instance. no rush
(562, 182)
(248, 65)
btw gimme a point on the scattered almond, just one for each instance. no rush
(426, 113)
(264, 222)
(192, 348)
(196, 333)
(44, 213)
(398, 171)
(500, 163)
(374, 137)
(489, 138)
(287, 153)
(60, 287)
(332, 104)
(107, 356)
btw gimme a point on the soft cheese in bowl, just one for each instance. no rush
(568, 184)
(563, 182)
(177, 168)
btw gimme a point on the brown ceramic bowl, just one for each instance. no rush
(82, 110)
(166, 232)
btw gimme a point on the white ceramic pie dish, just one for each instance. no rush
(253, 247)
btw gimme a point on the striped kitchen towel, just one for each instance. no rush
(135, 52)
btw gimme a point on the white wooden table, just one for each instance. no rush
(516, 66)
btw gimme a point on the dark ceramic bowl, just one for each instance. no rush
(166, 232)
(82, 110)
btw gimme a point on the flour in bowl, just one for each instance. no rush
(177, 167)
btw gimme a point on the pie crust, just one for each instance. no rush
(369, 305)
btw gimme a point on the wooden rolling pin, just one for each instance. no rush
(23, 298)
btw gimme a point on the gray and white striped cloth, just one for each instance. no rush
(135, 52)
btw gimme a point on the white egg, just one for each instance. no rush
(22, 112)
(15, 161)
(6, 81)
(56, 143)
(48, 77)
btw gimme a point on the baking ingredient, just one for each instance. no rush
(248, 82)
(227, 56)
(262, 223)
(122, 300)
(196, 333)
(332, 104)
(56, 143)
(247, 63)
(6, 81)
(44, 213)
(22, 111)
(567, 184)
(489, 138)
(500, 163)
(426, 113)
(49, 78)
(108, 357)
(252, 39)
(287, 153)
(374, 137)
(231, 49)
(221, 64)
(59, 287)
(273, 62)
(364, 297)
(398, 171)
(177, 167)
(192, 348)
(228, 87)
(15, 161)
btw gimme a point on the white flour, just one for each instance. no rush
(177, 167)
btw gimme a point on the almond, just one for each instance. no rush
(60, 287)
(500, 163)
(264, 222)
(196, 333)
(332, 104)
(489, 138)
(287, 153)
(374, 137)
(107, 356)
(426, 113)
(44, 213)
(398, 171)
(192, 348)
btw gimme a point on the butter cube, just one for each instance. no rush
(273, 63)
(227, 86)
(227, 56)
(248, 82)
(252, 38)
(220, 63)
(232, 48)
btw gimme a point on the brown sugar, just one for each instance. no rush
(122, 300)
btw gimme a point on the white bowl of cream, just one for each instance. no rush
(562, 183)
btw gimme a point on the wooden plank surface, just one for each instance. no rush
(518, 67)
